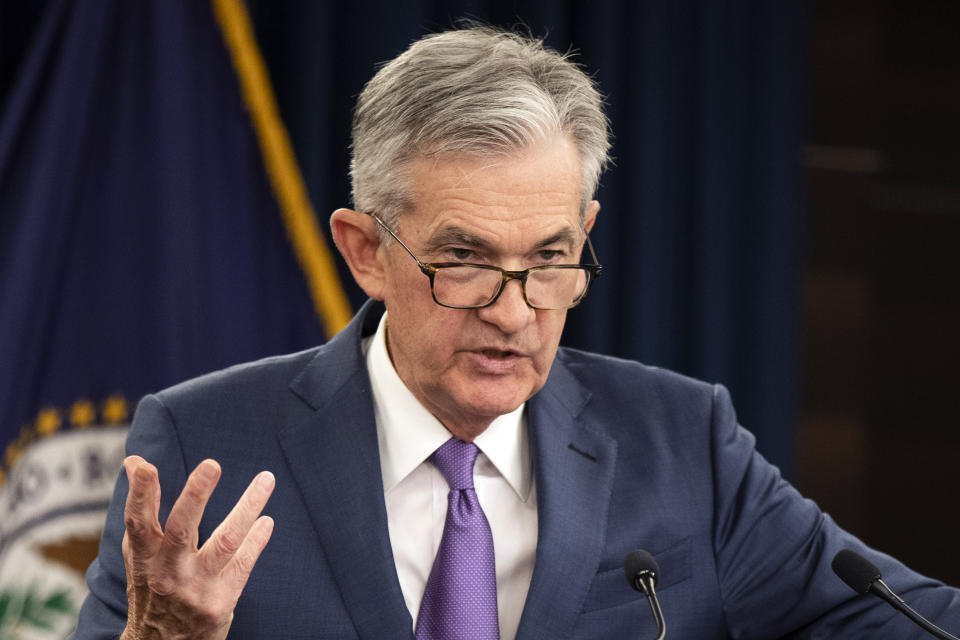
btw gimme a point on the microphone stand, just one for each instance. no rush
(879, 588)
(641, 571)
(644, 582)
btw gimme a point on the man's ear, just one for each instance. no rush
(357, 238)
(590, 216)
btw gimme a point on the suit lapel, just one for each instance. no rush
(574, 471)
(334, 460)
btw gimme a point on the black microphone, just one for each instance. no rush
(861, 576)
(641, 571)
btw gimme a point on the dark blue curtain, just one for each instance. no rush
(140, 242)
(698, 231)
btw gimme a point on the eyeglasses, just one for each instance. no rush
(462, 285)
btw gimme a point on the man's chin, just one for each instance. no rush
(496, 398)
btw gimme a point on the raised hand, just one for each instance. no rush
(174, 588)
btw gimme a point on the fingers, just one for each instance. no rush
(230, 537)
(165, 560)
(143, 504)
(237, 571)
(171, 585)
(180, 530)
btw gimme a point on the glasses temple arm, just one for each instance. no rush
(593, 254)
(423, 267)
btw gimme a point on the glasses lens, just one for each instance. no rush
(465, 286)
(556, 287)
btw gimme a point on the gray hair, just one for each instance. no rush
(477, 92)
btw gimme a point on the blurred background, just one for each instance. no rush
(879, 421)
(783, 217)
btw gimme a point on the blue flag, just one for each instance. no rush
(153, 226)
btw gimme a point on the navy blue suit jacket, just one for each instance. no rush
(625, 456)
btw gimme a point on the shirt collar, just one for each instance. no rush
(408, 434)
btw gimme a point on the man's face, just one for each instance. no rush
(469, 366)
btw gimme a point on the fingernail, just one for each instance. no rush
(266, 481)
(208, 470)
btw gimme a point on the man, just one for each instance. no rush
(440, 468)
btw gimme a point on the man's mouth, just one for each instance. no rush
(497, 353)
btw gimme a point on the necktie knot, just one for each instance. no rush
(455, 459)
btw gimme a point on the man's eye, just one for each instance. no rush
(461, 254)
(549, 255)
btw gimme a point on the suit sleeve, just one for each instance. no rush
(152, 436)
(774, 548)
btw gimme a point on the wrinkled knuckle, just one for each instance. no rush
(228, 542)
(252, 503)
(162, 584)
(177, 534)
(194, 493)
(135, 526)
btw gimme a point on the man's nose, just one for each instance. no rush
(510, 312)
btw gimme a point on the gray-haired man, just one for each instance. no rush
(441, 469)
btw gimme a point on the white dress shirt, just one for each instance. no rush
(416, 492)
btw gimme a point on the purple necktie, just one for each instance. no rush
(460, 600)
